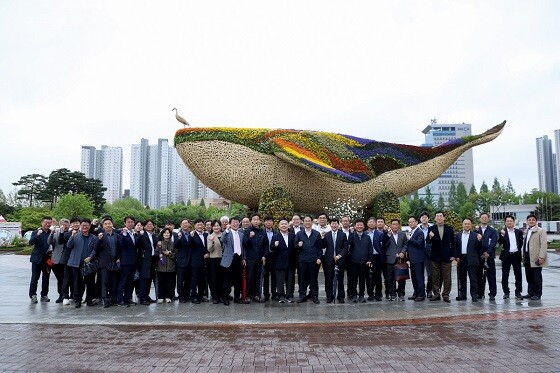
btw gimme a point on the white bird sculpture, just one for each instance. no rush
(180, 118)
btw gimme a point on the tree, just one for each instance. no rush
(462, 196)
(484, 187)
(202, 202)
(429, 201)
(452, 197)
(440, 202)
(472, 190)
(30, 217)
(74, 205)
(31, 187)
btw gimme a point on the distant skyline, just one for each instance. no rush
(109, 73)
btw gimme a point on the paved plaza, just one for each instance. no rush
(499, 336)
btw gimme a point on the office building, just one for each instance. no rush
(547, 164)
(105, 164)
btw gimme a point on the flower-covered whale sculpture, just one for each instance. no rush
(315, 167)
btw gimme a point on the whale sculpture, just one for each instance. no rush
(315, 167)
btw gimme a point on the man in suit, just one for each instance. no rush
(360, 251)
(81, 245)
(183, 261)
(309, 243)
(40, 241)
(395, 249)
(147, 261)
(296, 226)
(269, 285)
(198, 246)
(417, 256)
(442, 238)
(281, 246)
(469, 248)
(384, 228)
(335, 244)
(424, 226)
(232, 241)
(489, 239)
(254, 244)
(129, 253)
(534, 257)
(377, 260)
(511, 240)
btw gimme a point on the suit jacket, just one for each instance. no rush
(442, 249)
(393, 248)
(57, 247)
(129, 248)
(504, 241)
(183, 252)
(489, 240)
(254, 247)
(537, 247)
(40, 246)
(312, 248)
(146, 261)
(360, 249)
(198, 249)
(340, 247)
(281, 253)
(417, 247)
(103, 252)
(474, 248)
(228, 247)
(377, 241)
(80, 248)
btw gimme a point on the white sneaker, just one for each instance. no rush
(167, 300)
(34, 299)
(66, 302)
(160, 301)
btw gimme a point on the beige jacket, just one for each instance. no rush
(214, 246)
(537, 247)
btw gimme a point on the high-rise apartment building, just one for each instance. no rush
(159, 177)
(462, 170)
(547, 163)
(105, 164)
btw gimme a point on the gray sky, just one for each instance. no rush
(78, 73)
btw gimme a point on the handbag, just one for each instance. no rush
(402, 271)
(90, 268)
(114, 266)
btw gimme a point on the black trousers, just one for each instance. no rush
(490, 277)
(351, 291)
(280, 282)
(376, 281)
(340, 292)
(534, 278)
(109, 283)
(290, 280)
(512, 260)
(328, 271)
(58, 271)
(82, 284)
(215, 276)
(464, 269)
(183, 282)
(417, 276)
(253, 277)
(166, 285)
(68, 283)
(309, 271)
(198, 282)
(126, 282)
(233, 277)
(270, 279)
(359, 273)
(39, 270)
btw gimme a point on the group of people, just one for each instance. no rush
(205, 260)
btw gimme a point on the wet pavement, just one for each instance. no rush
(500, 336)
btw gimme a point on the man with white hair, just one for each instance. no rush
(224, 222)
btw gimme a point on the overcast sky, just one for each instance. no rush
(76, 73)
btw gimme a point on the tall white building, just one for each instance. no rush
(547, 163)
(462, 170)
(105, 164)
(160, 172)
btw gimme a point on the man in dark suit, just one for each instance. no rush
(309, 243)
(489, 240)
(395, 249)
(269, 285)
(183, 261)
(108, 252)
(335, 244)
(281, 246)
(147, 261)
(40, 241)
(468, 250)
(377, 260)
(360, 251)
(511, 240)
(232, 241)
(295, 227)
(254, 244)
(442, 238)
(417, 256)
(198, 246)
(129, 253)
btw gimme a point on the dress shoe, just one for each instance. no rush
(401, 298)
(518, 296)
(492, 297)
(413, 297)
(419, 299)
(290, 299)
(302, 299)
(266, 298)
(59, 299)
(461, 298)
(392, 298)
(106, 303)
(144, 302)
(204, 299)
(329, 300)
(90, 304)
(446, 299)
(238, 301)
(44, 298)
(195, 301)
(535, 297)
(316, 300)
(355, 299)
(226, 302)
(430, 295)
(370, 299)
(362, 300)
(78, 304)
(182, 300)
(215, 301)
(281, 299)
(131, 302)
(432, 299)
(340, 300)
(378, 299)
(527, 296)
(275, 297)
(247, 300)
(122, 304)
(474, 299)
(506, 296)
